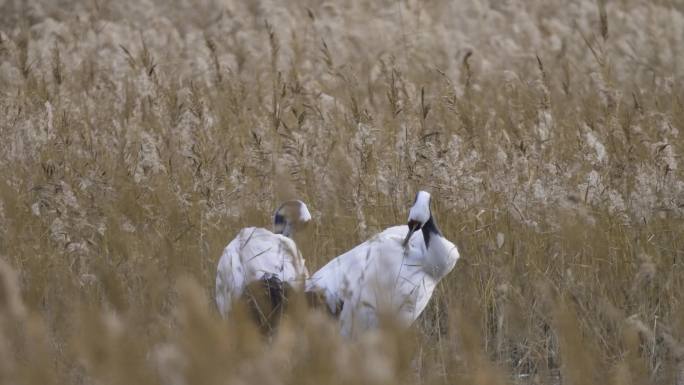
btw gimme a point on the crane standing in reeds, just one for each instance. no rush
(392, 274)
(260, 266)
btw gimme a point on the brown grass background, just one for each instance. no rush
(137, 137)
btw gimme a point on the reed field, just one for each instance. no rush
(138, 137)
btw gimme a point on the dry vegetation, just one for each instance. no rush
(137, 137)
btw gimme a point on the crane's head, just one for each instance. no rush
(419, 214)
(290, 216)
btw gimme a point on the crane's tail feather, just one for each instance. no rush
(317, 300)
(267, 301)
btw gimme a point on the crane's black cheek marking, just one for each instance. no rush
(279, 223)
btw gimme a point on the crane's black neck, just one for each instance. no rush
(282, 225)
(430, 229)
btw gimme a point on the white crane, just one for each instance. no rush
(392, 274)
(260, 256)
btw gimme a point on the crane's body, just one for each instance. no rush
(258, 255)
(392, 274)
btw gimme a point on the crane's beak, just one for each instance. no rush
(413, 226)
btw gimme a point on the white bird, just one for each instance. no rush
(392, 274)
(258, 255)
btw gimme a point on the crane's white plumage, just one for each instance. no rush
(258, 254)
(420, 211)
(304, 214)
(383, 277)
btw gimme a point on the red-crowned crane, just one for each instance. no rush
(394, 273)
(263, 261)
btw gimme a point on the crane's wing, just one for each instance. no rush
(342, 277)
(336, 280)
(379, 276)
(230, 277)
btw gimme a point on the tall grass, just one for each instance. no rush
(138, 137)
